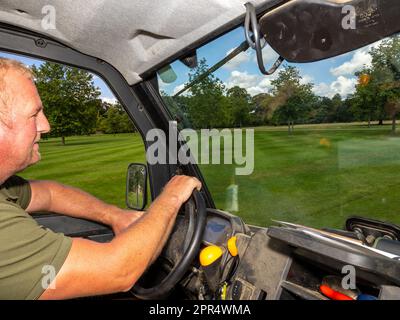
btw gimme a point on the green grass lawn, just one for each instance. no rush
(318, 176)
(97, 163)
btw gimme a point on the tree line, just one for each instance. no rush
(72, 103)
(209, 104)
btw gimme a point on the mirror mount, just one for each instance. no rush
(251, 23)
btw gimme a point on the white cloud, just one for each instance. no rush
(306, 79)
(360, 59)
(109, 100)
(242, 79)
(242, 57)
(178, 88)
(253, 83)
(323, 90)
(253, 91)
(342, 85)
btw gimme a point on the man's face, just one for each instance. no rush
(25, 122)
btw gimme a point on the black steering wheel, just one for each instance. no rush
(197, 218)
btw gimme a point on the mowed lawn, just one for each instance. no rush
(96, 164)
(318, 176)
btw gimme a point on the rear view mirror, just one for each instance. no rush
(136, 186)
(312, 30)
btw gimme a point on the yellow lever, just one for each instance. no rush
(232, 248)
(209, 255)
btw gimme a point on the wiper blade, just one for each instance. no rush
(241, 48)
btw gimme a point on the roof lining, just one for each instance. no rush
(135, 36)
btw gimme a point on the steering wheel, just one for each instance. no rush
(196, 209)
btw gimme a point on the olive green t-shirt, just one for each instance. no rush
(29, 253)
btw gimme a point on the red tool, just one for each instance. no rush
(332, 294)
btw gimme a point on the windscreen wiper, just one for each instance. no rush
(241, 48)
(253, 40)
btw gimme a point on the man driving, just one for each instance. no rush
(83, 267)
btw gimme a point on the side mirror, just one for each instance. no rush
(136, 186)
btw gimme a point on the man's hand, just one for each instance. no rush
(125, 219)
(180, 188)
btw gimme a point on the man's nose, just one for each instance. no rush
(43, 124)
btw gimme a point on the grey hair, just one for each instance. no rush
(5, 66)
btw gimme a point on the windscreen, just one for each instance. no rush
(313, 143)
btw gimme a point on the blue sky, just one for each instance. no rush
(331, 76)
(106, 93)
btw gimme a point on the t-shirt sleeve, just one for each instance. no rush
(19, 190)
(30, 255)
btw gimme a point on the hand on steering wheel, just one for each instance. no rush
(197, 213)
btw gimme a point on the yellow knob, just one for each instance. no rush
(232, 248)
(209, 255)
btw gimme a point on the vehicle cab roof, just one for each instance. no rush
(134, 36)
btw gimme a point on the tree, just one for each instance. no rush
(325, 110)
(262, 108)
(366, 101)
(239, 106)
(344, 112)
(291, 97)
(178, 107)
(207, 107)
(392, 107)
(70, 98)
(378, 91)
(386, 72)
(115, 120)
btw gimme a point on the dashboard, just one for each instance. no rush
(221, 226)
(274, 263)
(218, 230)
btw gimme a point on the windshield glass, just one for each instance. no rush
(326, 144)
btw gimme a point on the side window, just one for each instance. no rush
(92, 140)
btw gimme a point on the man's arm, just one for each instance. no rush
(55, 197)
(99, 268)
